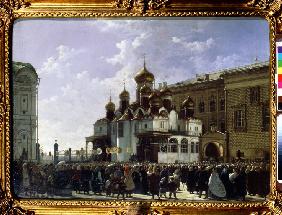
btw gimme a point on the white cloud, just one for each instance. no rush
(195, 46)
(55, 64)
(118, 58)
(138, 40)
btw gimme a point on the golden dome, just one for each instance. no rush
(155, 96)
(144, 76)
(110, 106)
(124, 94)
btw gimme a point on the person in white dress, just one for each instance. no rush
(216, 187)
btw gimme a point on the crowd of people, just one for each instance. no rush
(122, 180)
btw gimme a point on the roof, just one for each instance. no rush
(217, 75)
(17, 66)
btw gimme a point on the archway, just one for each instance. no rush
(212, 151)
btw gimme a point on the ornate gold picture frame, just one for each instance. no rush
(11, 10)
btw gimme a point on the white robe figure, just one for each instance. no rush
(216, 186)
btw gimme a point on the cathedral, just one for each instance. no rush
(221, 116)
(148, 129)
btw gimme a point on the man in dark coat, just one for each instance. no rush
(191, 180)
(241, 184)
(203, 180)
(224, 177)
(144, 181)
(154, 180)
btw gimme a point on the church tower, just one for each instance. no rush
(124, 100)
(144, 79)
(110, 110)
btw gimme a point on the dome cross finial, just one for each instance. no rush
(110, 95)
(144, 60)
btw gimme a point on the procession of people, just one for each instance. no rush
(208, 180)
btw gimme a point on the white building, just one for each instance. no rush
(143, 128)
(25, 117)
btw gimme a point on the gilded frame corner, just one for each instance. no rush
(10, 10)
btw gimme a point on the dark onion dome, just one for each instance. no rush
(134, 105)
(166, 91)
(145, 89)
(144, 76)
(110, 106)
(124, 94)
(188, 102)
(154, 95)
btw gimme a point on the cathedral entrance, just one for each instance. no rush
(212, 151)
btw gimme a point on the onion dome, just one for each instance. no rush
(110, 106)
(155, 94)
(144, 76)
(145, 89)
(124, 94)
(155, 97)
(166, 92)
(188, 102)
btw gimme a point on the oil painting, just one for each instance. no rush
(141, 109)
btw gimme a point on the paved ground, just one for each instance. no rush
(181, 195)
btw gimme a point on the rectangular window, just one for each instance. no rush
(197, 147)
(239, 120)
(254, 94)
(184, 148)
(24, 104)
(222, 104)
(265, 117)
(201, 107)
(173, 148)
(192, 147)
(120, 129)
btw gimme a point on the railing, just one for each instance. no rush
(144, 130)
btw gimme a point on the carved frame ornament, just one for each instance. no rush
(10, 10)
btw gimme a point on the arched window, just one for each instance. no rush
(184, 145)
(172, 146)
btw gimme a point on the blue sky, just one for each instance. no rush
(80, 61)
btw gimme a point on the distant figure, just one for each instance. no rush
(163, 187)
(154, 180)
